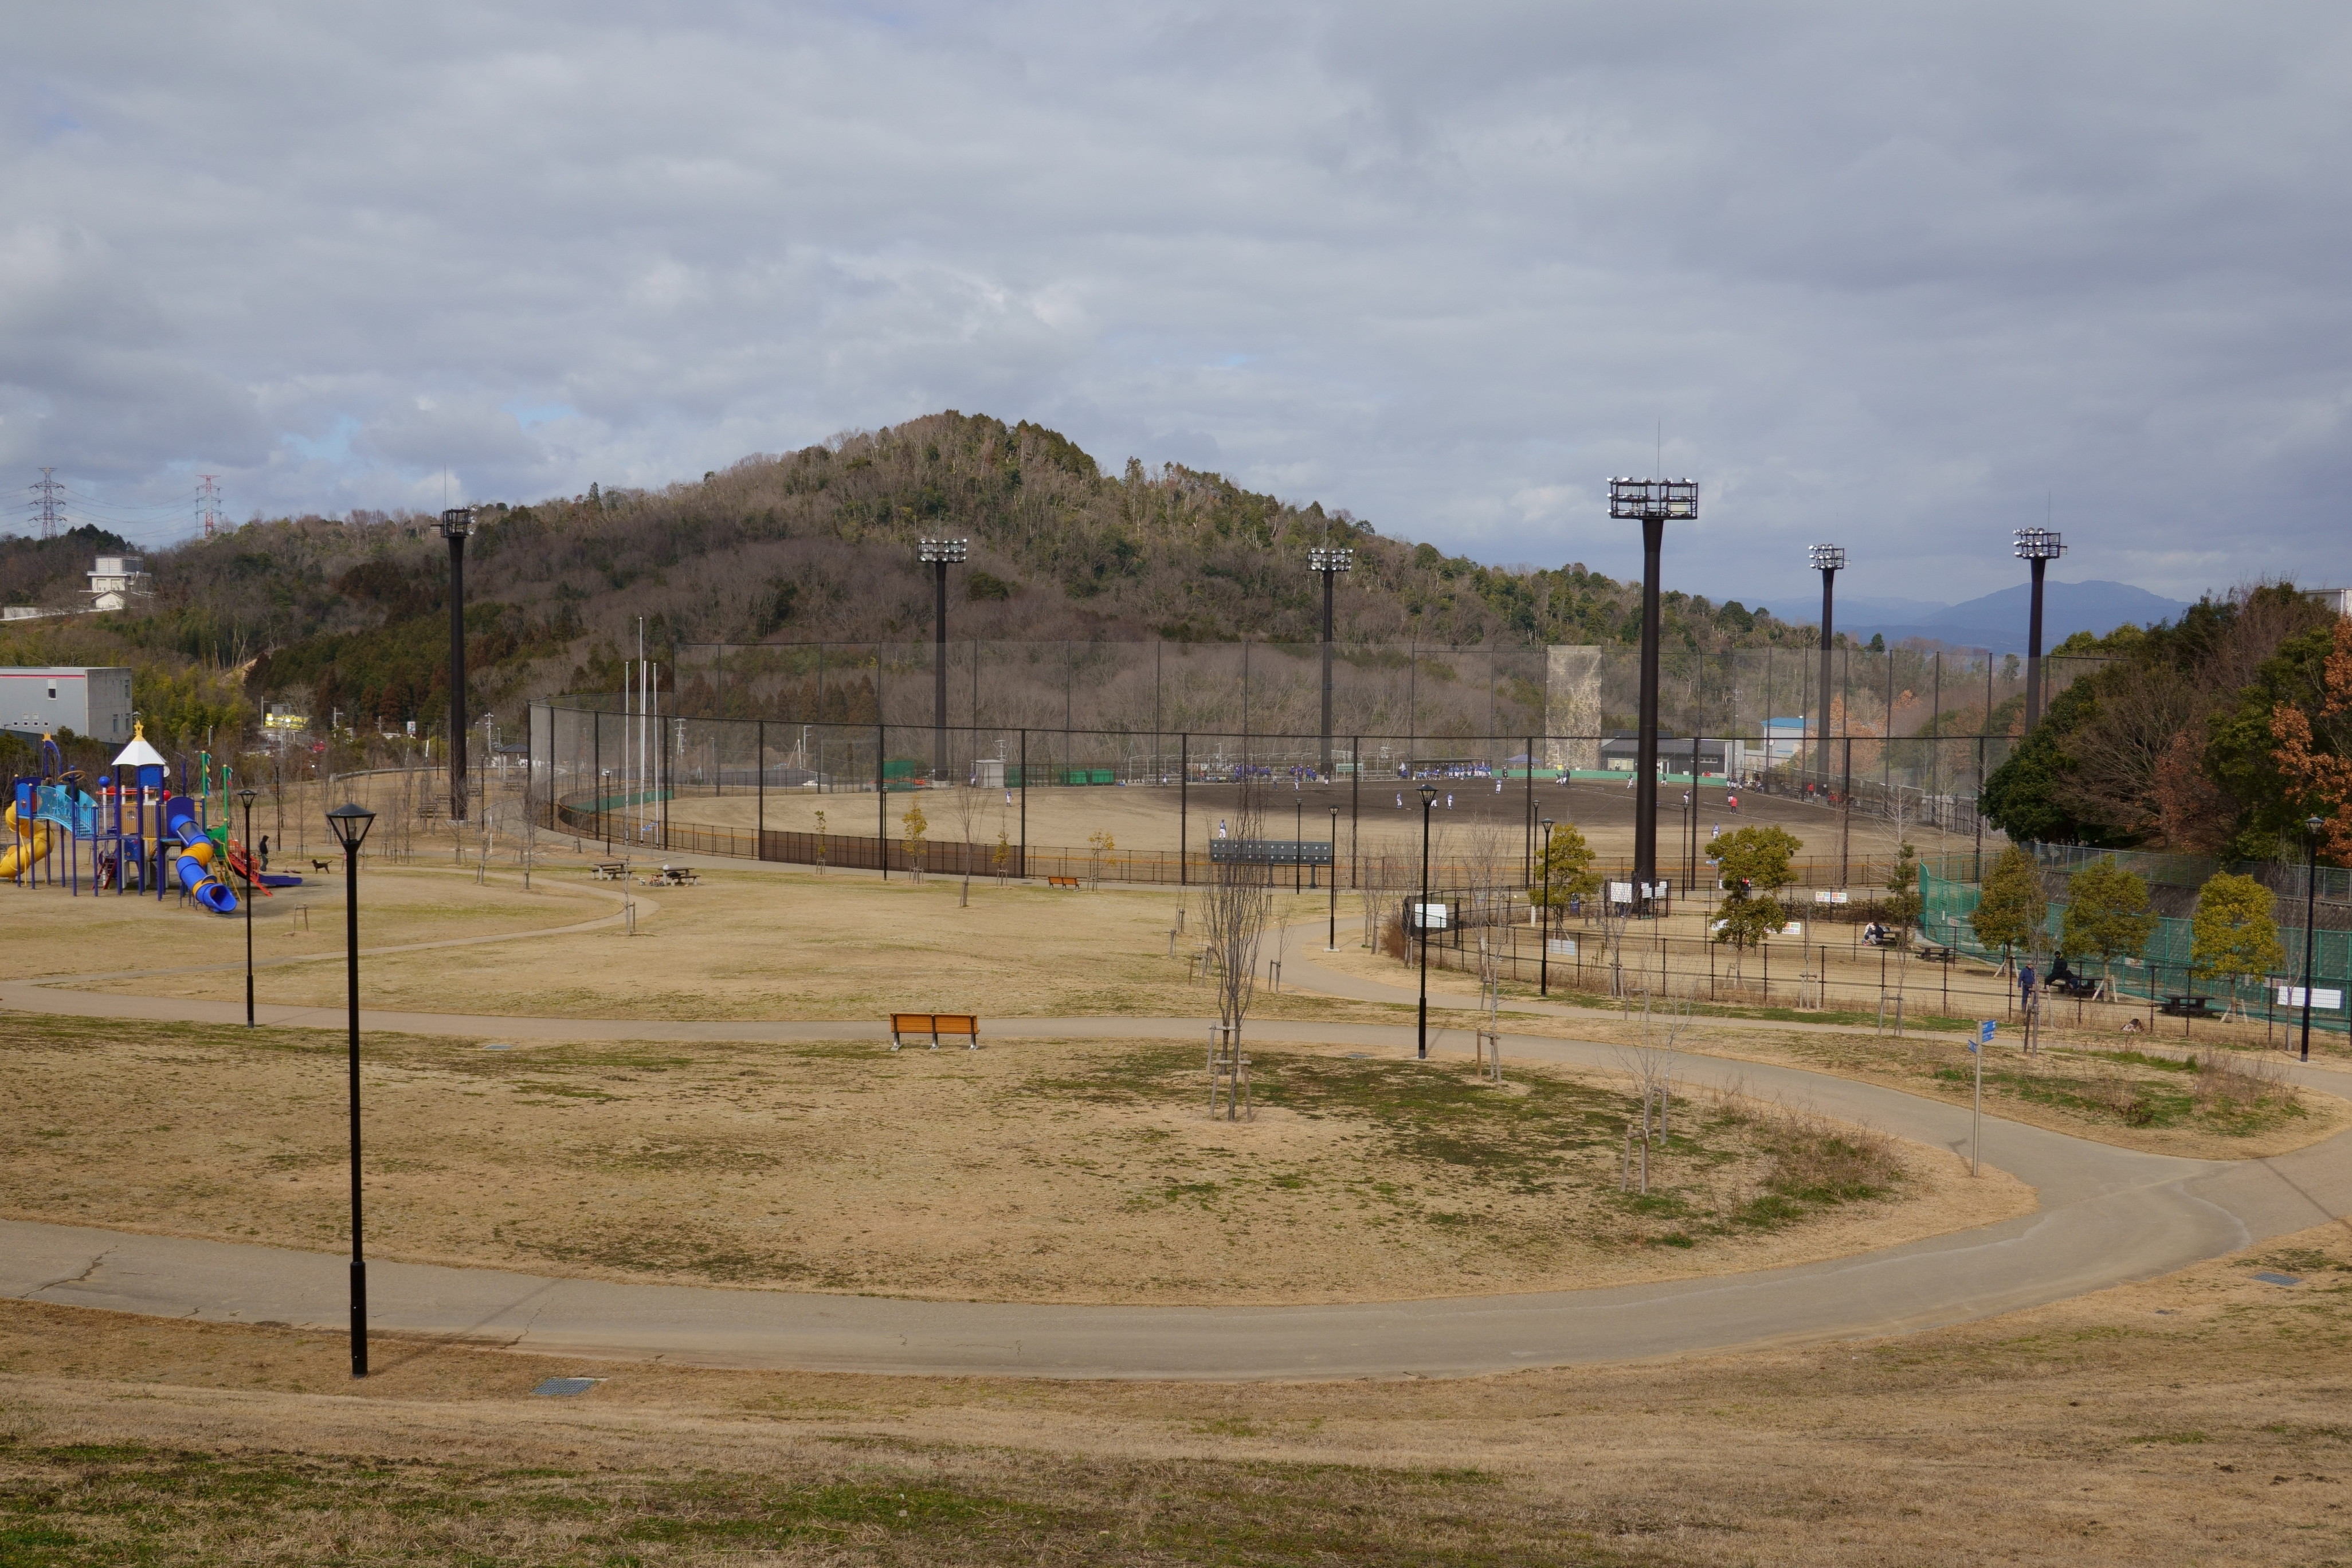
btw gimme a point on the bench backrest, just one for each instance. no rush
(910, 1023)
(955, 1023)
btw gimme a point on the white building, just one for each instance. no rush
(117, 581)
(42, 700)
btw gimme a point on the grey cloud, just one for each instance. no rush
(1884, 273)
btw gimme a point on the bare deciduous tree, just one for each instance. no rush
(1233, 908)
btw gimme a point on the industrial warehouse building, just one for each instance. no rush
(46, 700)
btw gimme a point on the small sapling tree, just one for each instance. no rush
(2234, 937)
(2010, 907)
(1755, 864)
(2106, 914)
(1235, 906)
(916, 824)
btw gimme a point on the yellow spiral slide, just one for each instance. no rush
(32, 844)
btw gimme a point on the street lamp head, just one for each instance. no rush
(248, 796)
(2313, 825)
(1546, 824)
(2039, 544)
(1428, 796)
(1828, 557)
(351, 821)
(1322, 558)
(946, 552)
(1649, 501)
(457, 523)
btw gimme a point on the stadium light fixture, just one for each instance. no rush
(1829, 560)
(939, 554)
(456, 527)
(1331, 561)
(2038, 547)
(1652, 503)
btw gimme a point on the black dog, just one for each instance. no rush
(321, 866)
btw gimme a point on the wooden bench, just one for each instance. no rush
(1061, 881)
(2186, 1007)
(917, 1024)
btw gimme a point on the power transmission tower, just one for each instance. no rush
(208, 504)
(47, 506)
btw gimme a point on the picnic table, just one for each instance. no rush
(1935, 955)
(608, 870)
(2186, 1007)
(674, 876)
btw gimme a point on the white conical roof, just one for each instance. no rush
(139, 754)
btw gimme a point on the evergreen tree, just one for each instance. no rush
(1903, 899)
(2107, 913)
(1755, 863)
(1570, 862)
(2010, 905)
(2234, 937)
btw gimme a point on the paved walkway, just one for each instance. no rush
(2106, 1216)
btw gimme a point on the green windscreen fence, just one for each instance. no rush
(2166, 966)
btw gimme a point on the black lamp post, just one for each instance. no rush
(2038, 547)
(245, 797)
(939, 554)
(350, 823)
(1651, 502)
(1829, 560)
(455, 524)
(1334, 938)
(1330, 562)
(1421, 915)
(1543, 961)
(2311, 826)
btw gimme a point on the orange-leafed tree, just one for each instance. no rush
(2320, 777)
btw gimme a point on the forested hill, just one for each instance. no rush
(819, 545)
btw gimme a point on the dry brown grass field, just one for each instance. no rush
(1051, 1170)
(2186, 1422)
(2194, 1419)
(1150, 817)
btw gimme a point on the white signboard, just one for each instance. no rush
(1562, 946)
(1829, 897)
(1427, 917)
(2325, 999)
(1621, 892)
(1794, 928)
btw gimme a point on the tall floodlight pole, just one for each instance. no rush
(2311, 827)
(350, 823)
(1420, 916)
(2039, 547)
(455, 524)
(1829, 560)
(1330, 562)
(1652, 502)
(939, 554)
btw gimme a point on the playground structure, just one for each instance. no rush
(139, 831)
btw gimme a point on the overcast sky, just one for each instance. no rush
(1900, 276)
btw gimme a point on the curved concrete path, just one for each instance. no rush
(2106, 1216)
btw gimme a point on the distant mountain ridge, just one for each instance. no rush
(1999, 620)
